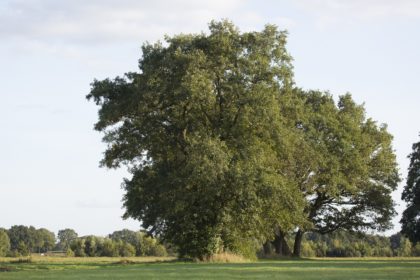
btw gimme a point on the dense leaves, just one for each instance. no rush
(226, 153)
(345, 244)
(411, 216)
(65, 237)
(4, 243)
(345, 167)
(23, 241)
(200, 127)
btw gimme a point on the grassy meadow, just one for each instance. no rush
(169, 268)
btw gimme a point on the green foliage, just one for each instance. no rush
(124, 243)
(147, 244)
(245, 247)
(65, 237)
(347, 244)
(69, 253)
(143, 245)
(4, 243)
(201, 129)
(344, 165)
(320, 249)
(158, 251)
(411, 195)
(223, 148)
(16, 235)
(22, 249)
(90, 245)
(25, 240)
(416, 250)
(405, 248)
(109, 249)
(44, 240)
(126, 235)
(78, 247)
(22, 239)
(126, 249)
(308, 249)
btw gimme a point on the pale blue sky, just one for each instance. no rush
(50, 51)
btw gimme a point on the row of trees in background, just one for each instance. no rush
(23, 240)
(123, 243)
(345, 244)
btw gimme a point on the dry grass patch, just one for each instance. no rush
(227, 258)
(82, 260)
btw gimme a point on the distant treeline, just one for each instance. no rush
(345, 244)
(22, 241)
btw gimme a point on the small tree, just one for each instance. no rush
(22, 248)
(22, 239)
(405, 249)
(90, 243)
(4, 243)
(126, 249)
(65, 237)
(78, 247)
(109, 248)
(45, 240)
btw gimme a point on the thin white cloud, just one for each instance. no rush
(73, 29)
(333, 12)
(105, 21)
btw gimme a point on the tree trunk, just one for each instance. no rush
(267, 249)
(298, 243)
(280, 245)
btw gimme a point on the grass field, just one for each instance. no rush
(166, 268)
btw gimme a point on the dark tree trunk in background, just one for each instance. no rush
(267, 249)
(298, 243)
(280, 245)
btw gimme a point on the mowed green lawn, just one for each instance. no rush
(108, 268)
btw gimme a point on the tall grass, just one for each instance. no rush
(226, 257)
(36, 259)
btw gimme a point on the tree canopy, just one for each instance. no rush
(65, 237)
(4, 243)
(225, 152)
(411, 216)
(200, 128)
(345, 167)
(25, 239)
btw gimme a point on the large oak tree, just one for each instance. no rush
(201, 130)
(225, 151)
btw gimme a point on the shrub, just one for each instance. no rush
(69, 253)
(126, 250)
(159, 251)
(307, 250)
(109, 249)
(78, 247)
(4, 243)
